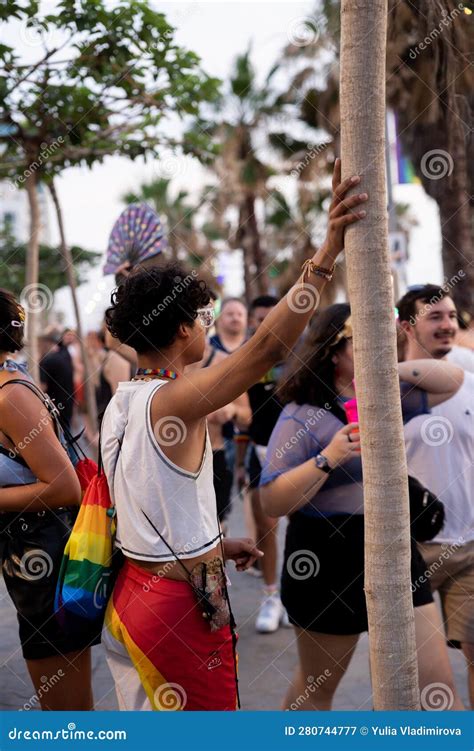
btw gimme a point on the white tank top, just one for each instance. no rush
(181, 504)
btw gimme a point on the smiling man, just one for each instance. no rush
(440, 450)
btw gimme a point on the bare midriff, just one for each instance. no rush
(172, 569)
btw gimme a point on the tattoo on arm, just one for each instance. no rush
(416, 373)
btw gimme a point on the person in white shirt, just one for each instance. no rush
(440, 450)
(462, 356)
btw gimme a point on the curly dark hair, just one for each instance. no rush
(309, 375)
(11, 335)
(150, 305)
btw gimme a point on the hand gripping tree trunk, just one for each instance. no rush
(91, 403)
(32, 297)
(387, 536)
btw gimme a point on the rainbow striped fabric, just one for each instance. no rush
(86, 575)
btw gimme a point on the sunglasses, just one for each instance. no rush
(416, 287)
(206, 316)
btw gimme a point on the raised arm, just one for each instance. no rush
(24, 419)
(203, 391)
(439, 378)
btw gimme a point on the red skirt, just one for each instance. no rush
(160, 649)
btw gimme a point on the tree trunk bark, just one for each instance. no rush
(387, 533)
(445, 178)
(243, 241)
(258, 256)
(32, 298)
(65, 251)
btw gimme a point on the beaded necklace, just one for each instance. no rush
(146, 373)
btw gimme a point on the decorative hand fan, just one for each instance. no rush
(137, 235)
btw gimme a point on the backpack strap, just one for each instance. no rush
(44, 398)
(15, 458)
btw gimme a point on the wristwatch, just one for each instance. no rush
(322, 463)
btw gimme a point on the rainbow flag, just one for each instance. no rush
(86, 575)
(405, 170)
(402, 169)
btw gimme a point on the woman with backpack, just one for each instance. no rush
(39, 499)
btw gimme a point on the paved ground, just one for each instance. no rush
(265, 661)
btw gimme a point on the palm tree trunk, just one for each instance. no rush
(387, 535)
(446, 180)
(260, 278)
(65, 251)
(243, 241)
(31, 295)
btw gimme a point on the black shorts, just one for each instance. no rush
(222, 483)
(32, 551)
(322, 584)
(253, 467)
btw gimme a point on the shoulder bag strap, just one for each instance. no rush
(55, 414)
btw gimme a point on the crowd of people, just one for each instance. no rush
(195, 411)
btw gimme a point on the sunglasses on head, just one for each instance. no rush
(416, 287)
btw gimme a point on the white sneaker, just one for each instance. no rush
(270, 614)
(285, 621)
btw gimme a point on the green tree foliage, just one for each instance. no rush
(105, 78)
(52, 274)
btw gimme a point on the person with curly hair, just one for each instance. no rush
(39, 499)
(168, 629)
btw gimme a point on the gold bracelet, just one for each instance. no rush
(309, 267)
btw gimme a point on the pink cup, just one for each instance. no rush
(350, 408)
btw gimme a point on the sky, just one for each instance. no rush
(218, 32)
